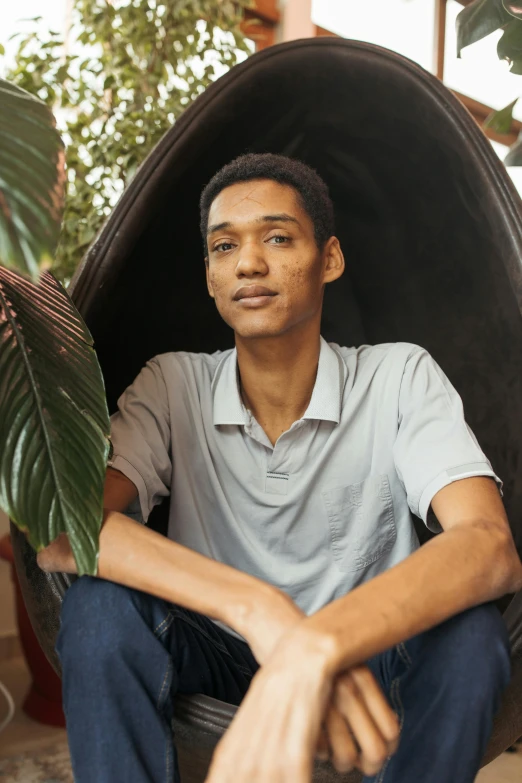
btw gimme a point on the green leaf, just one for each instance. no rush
(500, 121)
(479, 19)
(513, 7)
(2, 49)
(32, 181)
(514, 156)
(509, 46)
(54, 423)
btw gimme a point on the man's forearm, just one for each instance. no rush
(137, 557)
(461, 568)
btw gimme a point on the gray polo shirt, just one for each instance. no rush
(330, 505)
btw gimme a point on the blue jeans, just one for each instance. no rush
(126, 654)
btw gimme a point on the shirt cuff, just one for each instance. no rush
(451, 475)
(120, 463)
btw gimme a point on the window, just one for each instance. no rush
(406, 26)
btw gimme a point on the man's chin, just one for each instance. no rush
(258, 333)
(257, 325)
(260, 330)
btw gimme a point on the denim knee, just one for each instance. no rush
(97, 617)
(477, 649)
(485, 626)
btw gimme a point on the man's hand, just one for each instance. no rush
(118, 493)
(275, 730)
(277, 727)
(57, 556)
(359, 729)
(363, 731)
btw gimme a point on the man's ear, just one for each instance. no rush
(209, 284)
(333, 260)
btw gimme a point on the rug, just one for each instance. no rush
(50, 764)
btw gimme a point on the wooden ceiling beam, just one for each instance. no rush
(439, 42)
(266, 10)
(320, 32)
(260, 23)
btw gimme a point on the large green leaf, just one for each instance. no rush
(54, 423)
(500, 121)
(509, 46)
(31, 181)
(479, 19)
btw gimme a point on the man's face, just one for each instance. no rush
(264, 268)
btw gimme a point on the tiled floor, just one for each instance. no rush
(23, 734)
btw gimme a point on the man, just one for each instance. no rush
(293, 468)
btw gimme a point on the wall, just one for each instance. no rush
(297, 20)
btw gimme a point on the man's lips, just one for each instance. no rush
(252, 291)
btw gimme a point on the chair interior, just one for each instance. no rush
(424, 213)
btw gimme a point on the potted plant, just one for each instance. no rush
(51, 388)
(54, 422)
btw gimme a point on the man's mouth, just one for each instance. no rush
(253, 292)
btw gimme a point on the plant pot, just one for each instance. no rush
(43, 702)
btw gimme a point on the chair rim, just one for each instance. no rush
(91, 271)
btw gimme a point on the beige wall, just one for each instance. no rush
(7, 616)
(296, 21)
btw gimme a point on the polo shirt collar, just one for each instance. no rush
(228, 406)
(325, 403)
(326, 399)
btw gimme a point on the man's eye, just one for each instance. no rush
(279, 239)
(223, 246)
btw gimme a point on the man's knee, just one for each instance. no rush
(482, 634)
(473, 651)
(98, 619)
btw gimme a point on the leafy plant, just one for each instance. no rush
(54, 423)
(476, 21)
(128, 70)
(142, 62)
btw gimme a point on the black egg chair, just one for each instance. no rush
(431, 227)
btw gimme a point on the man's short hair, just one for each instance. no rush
(311, 189)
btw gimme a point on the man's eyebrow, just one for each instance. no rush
(282, 217)
(218, 227)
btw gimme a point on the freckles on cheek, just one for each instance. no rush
(295, 277)
(217, 284)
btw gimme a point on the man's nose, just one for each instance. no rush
(251, 261)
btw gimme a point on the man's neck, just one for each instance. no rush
(277, 377)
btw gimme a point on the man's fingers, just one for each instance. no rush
(344, 753)
(323, 749)
(373, 747)
(382, 714)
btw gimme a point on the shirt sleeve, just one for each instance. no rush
(140, 437)
(434, 444)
